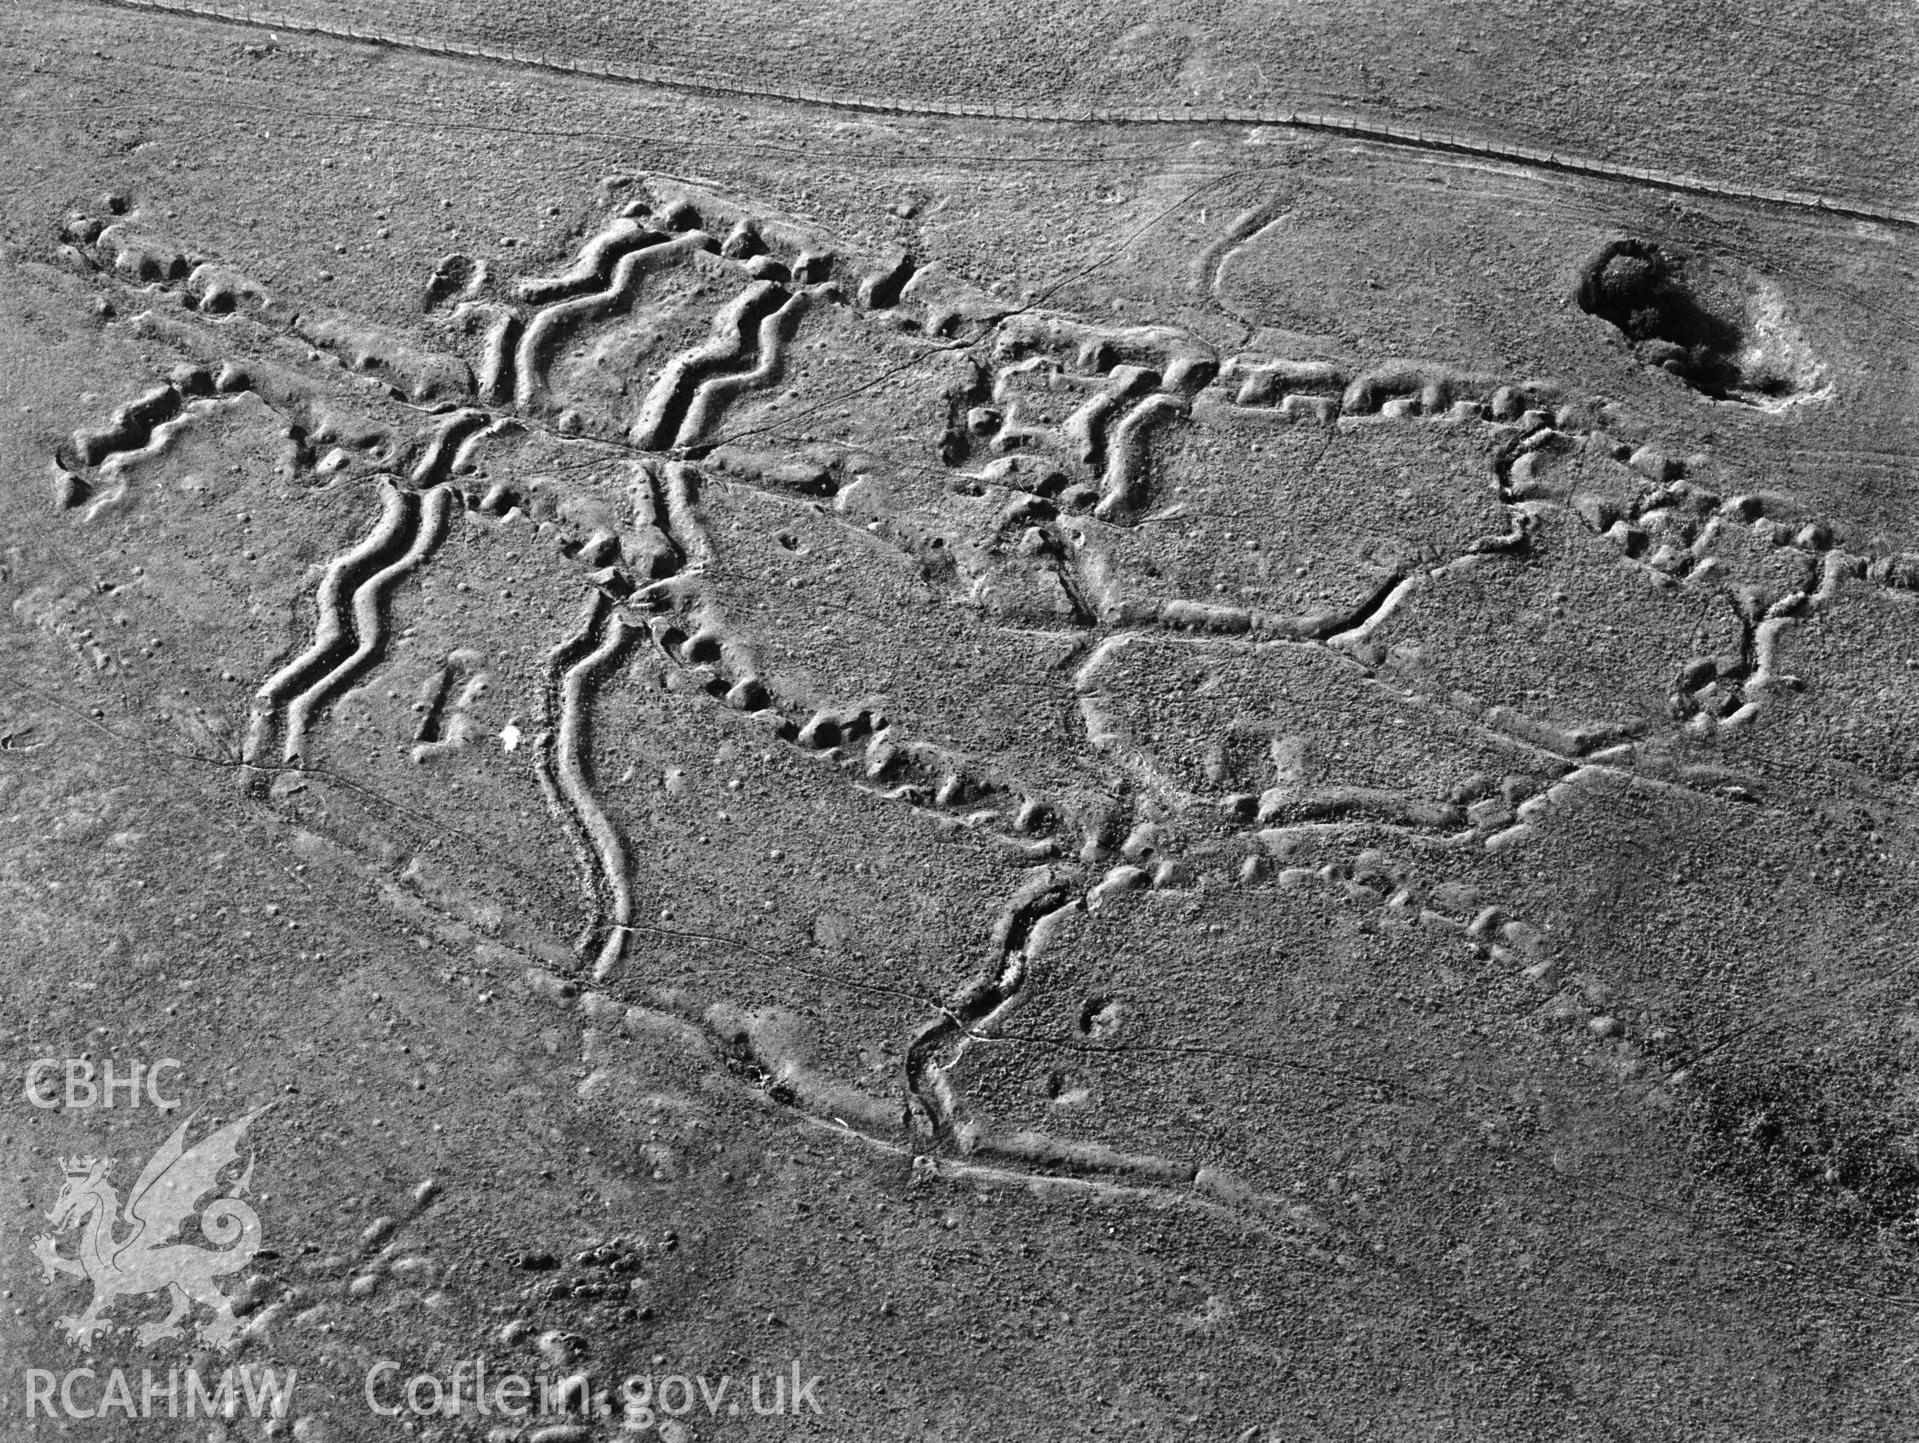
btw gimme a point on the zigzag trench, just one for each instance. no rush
(653, 581)
(350, 630)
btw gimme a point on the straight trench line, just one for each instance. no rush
(1358, 127)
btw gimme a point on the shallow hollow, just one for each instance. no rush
(1725, 337)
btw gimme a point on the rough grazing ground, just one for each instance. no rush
(1178, 723)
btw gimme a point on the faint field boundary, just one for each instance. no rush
(1357, 126)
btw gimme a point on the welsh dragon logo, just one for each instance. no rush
(150, 1258)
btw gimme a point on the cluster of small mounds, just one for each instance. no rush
(598, 1273)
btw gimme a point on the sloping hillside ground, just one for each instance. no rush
(1227, 754)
